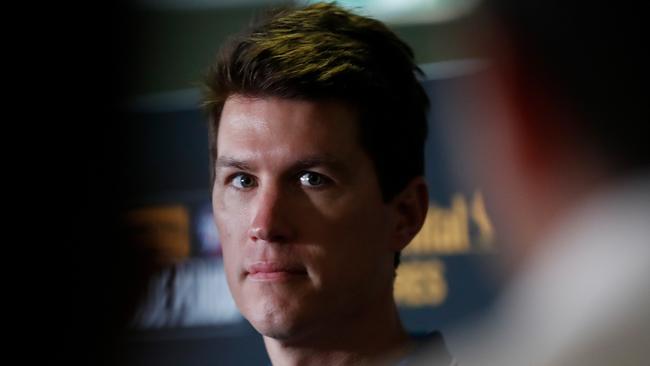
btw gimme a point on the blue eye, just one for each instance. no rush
(311, 179)
(243, 181)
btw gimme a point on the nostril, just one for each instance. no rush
(258, 234)
(270, 236)
(272, 220)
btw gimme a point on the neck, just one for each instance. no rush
(371, 337)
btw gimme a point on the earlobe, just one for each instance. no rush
(410, 209)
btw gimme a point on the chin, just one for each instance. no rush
(281, 323)
(279, 328)
(277, 333)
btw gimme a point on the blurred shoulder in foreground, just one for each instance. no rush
(560, 154)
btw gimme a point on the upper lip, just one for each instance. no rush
(271, 267)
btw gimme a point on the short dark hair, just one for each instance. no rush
(323, 51)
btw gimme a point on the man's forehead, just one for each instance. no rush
(254, 128)
(238, 107)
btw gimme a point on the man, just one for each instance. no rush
(317, 138)
(559, 153)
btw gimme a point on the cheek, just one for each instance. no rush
(356, 233)
(231, 229)
(371, 232)
(230, 213)
(231, 233)
(366, 218)
(232, 256)
(226, 242)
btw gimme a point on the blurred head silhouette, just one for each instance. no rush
(562, 107)
(558, 149)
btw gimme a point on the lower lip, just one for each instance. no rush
(274, 276)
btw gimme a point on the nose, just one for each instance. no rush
(271, 219)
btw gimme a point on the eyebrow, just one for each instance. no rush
(320, 160)
(325, 160)
(228, 162)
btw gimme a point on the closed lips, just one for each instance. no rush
(275, 267)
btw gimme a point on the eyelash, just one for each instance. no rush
(324, 180)
(233, 178)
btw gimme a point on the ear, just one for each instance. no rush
(409, 209)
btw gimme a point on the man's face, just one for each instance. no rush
(305, 233)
